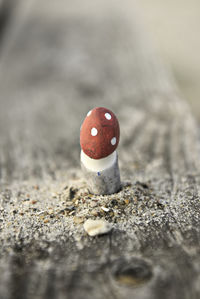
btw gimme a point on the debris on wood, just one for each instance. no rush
(96, 227)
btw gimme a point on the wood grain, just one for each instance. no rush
(59, 65)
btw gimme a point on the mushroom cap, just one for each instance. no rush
(99, 136)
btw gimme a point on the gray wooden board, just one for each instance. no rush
(62, 62)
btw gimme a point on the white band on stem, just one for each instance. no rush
(98, 164)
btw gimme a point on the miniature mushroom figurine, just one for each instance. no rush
(99, 138)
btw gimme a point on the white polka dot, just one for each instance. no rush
(89, 113)
(94, 132)
(108, 116)
(113, 141)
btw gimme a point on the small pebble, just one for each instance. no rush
(105, 209)
(40, 213)
(36, 187)
(78, 220)
(34, 202)
(111, 214)
(93, 204)
(53, 194)
(69, 203)
(96, 227)
(95, 212)
(71, 213)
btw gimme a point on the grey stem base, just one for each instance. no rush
(103, 182)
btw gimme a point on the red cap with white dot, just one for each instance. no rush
(99, 136)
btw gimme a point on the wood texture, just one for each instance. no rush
(60, 63)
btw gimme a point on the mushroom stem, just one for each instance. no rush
(102, 175)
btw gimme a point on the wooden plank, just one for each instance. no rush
(59, 66)
(6, 8)
(12, 15)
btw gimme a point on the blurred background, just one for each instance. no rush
(175, 27)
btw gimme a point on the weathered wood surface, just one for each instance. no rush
(61, 62)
